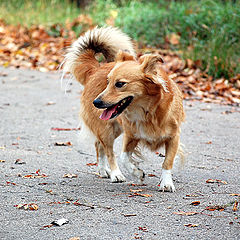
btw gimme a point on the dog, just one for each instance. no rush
(125, 95)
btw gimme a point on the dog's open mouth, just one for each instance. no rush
(116, 109)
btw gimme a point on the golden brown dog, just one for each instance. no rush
(129, 95)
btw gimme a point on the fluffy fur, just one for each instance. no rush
(133, 96)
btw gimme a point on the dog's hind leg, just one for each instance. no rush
(129, 144)
(103, 168)
(171, 147)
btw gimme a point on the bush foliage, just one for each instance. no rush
(209, 30)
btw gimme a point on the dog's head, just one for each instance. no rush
(130, 82)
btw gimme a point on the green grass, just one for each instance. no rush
(209, 30)
(34, 12)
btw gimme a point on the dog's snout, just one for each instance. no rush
(98, 103)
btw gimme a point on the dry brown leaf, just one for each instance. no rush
(37, 175)
(195, 203)
(30, 206)
(63, 144)
(12, 183)
(91, 164)
(216, 207)
(69, 175)
(191, 225)
(215, 181)
(235, 206)
(65, 129)
(235, 194)
(130, 215)
(136, 190)
(2, 161)
(174, 39)
(151, 175)
(144, 229)
(185, 213)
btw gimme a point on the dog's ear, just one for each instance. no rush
(150, 64)
(124, 56)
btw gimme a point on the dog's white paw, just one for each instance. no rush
(166, 181)
(117, 176)
(104, 172)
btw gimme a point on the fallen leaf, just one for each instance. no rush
(38, 175)
(185, 213)
(11, 183)
(136, 185)
(174, 39)
(50, 191)
(50, 103)
(2, 161)
(235, 194)
(91, 164)
(65, 129)
(215, 181)
(63, 144)
(46, 226)
(136, 190)
(195, 203)
(19, 161)
(235, 206)
(151, 175)
(30, 206)
(191, 225)
(210, 142)
(140, 194)
(144, 229)
(70, 175)
(130, 215)
(216, 207)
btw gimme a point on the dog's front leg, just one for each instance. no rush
(129, 145)
(115, 174)
(103, 169)
(171, 148)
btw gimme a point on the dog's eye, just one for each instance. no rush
(119, 84)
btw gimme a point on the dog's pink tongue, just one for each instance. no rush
(107, 113)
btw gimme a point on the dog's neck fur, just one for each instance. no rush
(146, 117)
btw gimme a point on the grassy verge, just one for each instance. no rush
(37, 12)
(206, 31)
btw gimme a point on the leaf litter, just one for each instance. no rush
(29, 206)
(36, 48)
(36, 175)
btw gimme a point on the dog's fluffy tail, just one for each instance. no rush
(80, 58)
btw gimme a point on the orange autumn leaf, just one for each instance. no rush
(185, 213)
(235, 206)
(215, 181)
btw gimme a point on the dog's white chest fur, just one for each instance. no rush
(141, 133)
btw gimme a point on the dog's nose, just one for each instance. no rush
(98, 103)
